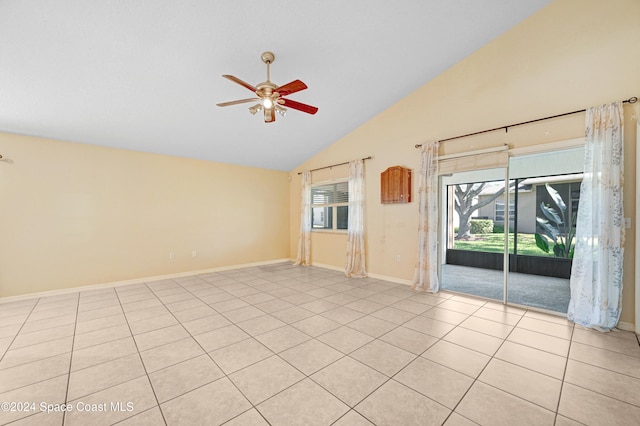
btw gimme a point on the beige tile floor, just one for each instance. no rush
(286, 345)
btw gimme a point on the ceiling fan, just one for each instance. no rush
(270, 96)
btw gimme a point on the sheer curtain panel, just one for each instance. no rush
(304, 243)
(596, 274)
(355, 244)
(426, 274)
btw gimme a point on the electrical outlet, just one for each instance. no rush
(172, 256)
(397, 258)
(194, 253)
(627, 222)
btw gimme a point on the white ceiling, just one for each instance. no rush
(145, 75)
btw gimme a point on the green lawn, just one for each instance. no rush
(494, 243)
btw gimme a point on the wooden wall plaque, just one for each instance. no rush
(395, 185)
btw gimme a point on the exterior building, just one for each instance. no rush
(531, 193)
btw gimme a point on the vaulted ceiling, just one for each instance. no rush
(146, 75)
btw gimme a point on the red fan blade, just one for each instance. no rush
(289, 88)
(300, 106)
(240, 82)
(269, 115)
(241, 101)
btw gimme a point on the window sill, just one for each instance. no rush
(330, 231)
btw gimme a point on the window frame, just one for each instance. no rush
(333, 206)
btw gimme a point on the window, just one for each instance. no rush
(330, 206)
(499, 217)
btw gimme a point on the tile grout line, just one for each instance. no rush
(346, 325)
(66, 394)
(101, 329)
(595, 391)
(556, 413)
(564, 375)
(19, 330)
(7, 351)
(389, 378)
(284, 360)
(352, 408)
(431, 306)
(439, 340)
(141, 362)
(223, 372)
(212, 360)
(475, 379)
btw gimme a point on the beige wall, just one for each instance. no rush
(571, 55)
(75, 214)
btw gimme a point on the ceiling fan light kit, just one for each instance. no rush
(271, 97)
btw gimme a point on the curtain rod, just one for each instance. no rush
(334, 165)
(632, 100)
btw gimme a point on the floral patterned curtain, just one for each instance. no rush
(355, 244)
(596, 275)
(426, 274)
(304, 243)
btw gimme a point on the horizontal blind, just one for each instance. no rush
(493, 160)
(330, 193)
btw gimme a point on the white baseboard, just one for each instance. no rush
(135, 281)
(370, 275)
(626, 326)
(325, 266)
(391, 279)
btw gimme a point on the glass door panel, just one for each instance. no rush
(545, 199)
(472, 242)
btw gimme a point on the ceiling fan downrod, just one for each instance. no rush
(268, 58)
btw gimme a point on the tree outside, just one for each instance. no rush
(464, 196)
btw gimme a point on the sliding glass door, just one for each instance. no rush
(512, 240)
